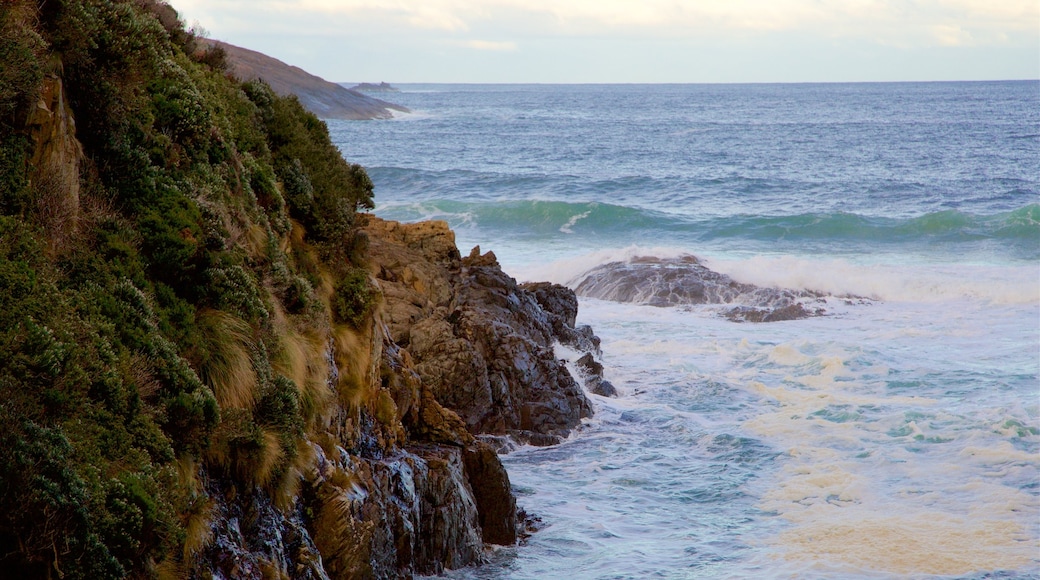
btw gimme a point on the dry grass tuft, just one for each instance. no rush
(198, 529)
(188, 474)
(288, 489)
(256, 241)
(354, 360)
(344, 542)
(142, 373)
(57, 202)
(229, 367)
(259, 466)
(273, 571)
(170, 569)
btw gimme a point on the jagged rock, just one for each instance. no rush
(560, 304)
(251, 538)
(592, 372)
(555, 299)
(514, 337)
(410, 513)
(481, 343)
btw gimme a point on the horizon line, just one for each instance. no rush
(1018, 80)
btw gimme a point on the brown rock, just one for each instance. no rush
(496, 505)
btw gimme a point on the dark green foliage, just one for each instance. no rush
(20, 76)
(353, 297)
(233, 289)
(53, 506)
(187, 188)
(323, 191)
(60, 365)
(280, 407)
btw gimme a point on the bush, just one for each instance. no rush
(353, 298)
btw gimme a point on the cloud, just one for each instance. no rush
(888, 22)
(946, 35)
(491, 45)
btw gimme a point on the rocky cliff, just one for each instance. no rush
(211, 364)
(458, 352)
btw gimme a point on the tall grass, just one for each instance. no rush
(228, 364)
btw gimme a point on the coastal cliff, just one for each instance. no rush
(213, 364)
(325, 99)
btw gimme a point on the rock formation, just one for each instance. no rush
(375, 88)
(460, 352)
(481, 342)
(684, 280)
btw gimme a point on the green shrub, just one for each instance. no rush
(353, 297)
(189, 182)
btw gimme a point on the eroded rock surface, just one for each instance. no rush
(404, 479)
(482, 343)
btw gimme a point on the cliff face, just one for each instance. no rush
(211, 365)
(462, 352)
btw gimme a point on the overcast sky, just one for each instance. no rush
(624, 41)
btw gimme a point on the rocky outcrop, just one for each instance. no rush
(412, 512)
(375, 88)
(407, 485)
(592, 370)
(252, 539)
(482, 343)
(684, 281)
(55, 163)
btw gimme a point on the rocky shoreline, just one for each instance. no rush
(461, 359)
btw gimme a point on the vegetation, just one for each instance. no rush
(180, 322)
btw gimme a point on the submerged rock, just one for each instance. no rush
(685, 281)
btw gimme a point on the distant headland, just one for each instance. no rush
(374, 88)
(325, 99)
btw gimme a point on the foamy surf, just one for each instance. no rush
(897, 435)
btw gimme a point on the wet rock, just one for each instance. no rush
(685, 281)
(560, 304)
(412, 513)
(592, 373)
(251, 539)
(449, 516)
(790, 312)
(496, 505)
(555, 299)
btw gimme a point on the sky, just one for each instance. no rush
(634, 41)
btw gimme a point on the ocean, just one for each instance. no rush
(897, 435)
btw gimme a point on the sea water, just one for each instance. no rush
(896, 436)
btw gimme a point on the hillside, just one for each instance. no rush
(213, 362)
(325, 99)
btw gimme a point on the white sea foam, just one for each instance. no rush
(909, 282)
(566, 228)
(903, 283)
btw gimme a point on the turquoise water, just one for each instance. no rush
(898, 436)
